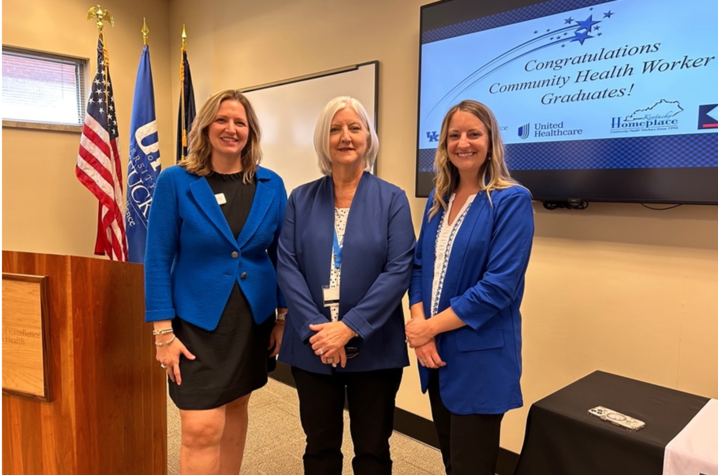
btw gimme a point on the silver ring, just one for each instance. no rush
(321, 352)
(163, 366)
(330, 360)
(423, 361)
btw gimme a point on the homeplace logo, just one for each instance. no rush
(659, 117)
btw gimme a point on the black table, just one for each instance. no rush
(563, 439)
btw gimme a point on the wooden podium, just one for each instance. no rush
(107, 409)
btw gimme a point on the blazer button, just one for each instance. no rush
(243, 275)
(235, 254)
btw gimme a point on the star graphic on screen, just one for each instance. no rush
(608, 14)
(581, 37)
(587, 24)
(568, 21)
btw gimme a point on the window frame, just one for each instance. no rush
(83, 64)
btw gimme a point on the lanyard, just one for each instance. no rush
(337, 250)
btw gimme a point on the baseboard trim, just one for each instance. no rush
(412, 425)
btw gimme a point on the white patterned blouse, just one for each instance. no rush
(444, 241)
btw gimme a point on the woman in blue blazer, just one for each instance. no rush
(345, 258)
(210, 282)
(466, 290)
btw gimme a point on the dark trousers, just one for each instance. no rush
(469, 443)
(370, 396)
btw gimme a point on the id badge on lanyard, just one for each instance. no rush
(331, 294)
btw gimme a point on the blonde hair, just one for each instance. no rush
(198, 159)
(494, 175)
(324, 124)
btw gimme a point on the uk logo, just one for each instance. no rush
(524, 131)
(432, 136)
(708, 116)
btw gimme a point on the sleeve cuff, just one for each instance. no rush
(305, 333)
(157, 315)
(358, 324)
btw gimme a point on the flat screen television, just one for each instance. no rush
(597, 100)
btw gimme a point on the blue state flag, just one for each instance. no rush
(144, 164)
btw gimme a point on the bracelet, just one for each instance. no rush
(159, 343)
(163, 331)
(281, 317)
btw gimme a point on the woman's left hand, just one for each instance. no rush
(275, 339)
(330, 338)
(339, 360)
(418, 332)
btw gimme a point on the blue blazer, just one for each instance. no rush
(193, 260)
(484, 285)
(376, 270)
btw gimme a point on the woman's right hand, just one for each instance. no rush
(428, 355)
(169, 355)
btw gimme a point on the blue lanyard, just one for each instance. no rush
(337, 251)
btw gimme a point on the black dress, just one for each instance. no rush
(232, 360)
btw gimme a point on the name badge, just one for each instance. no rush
(220, 198)
(331, 296)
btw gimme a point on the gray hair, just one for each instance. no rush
(324, 123)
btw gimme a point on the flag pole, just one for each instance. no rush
(182, 53)
(145, 31)
(100, 16)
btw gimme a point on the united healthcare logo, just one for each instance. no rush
(524, 131)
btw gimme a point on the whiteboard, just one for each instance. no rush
(288, 112)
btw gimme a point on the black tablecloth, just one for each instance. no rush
(563, 439)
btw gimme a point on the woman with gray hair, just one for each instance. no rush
(344, 263)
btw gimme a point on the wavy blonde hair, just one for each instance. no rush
(198, 159)
(493, 173)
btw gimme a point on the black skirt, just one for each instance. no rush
(231, 361)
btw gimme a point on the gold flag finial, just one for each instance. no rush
(100, 15)
(145, 31)
(184, 37)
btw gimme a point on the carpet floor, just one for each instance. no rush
(275, 440)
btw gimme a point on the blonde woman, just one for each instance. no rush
(466, 290)
(210, 281)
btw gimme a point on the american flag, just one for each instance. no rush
(98, 162)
